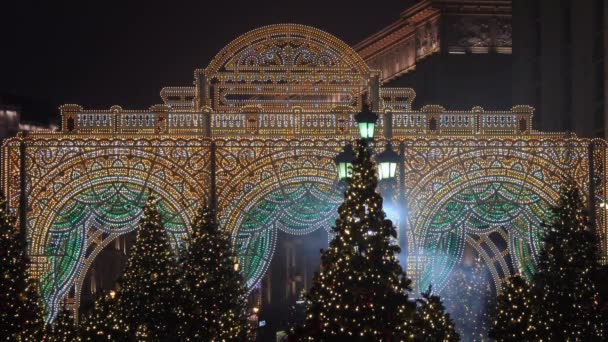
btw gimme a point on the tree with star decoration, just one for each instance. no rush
(214, 288)
(21, 313)
(148, 302)
(431, 322)
(361, 291)
(514, 316)
(567, 306)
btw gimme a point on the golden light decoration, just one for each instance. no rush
(257, 135)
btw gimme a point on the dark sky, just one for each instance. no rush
(100, 53)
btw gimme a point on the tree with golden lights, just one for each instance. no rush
(149, 298)
(215, 293)
(470, 299)
(567, 305)
(361, 291)
(514, 316)
(431, 322)
(20, 306)
(103, 322)
(63, 328)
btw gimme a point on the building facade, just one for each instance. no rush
(256, 136)
(549, 54)
(9, 120)
(454, 52)
(559, 50)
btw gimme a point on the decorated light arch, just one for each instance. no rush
(256, 136)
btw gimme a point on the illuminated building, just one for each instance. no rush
(454, 52)
(256, 136)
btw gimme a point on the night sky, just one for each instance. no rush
(101, 53)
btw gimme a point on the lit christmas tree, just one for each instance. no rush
(568, 300)
(63, 328)
(149, 298)
(215, 291)
(20, 308)
(431, 322)
(470, 300)
(103, 322)
(514, 313)
(361, 291)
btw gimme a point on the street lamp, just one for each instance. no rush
(387, 163)
(366, 120)
(344, 163)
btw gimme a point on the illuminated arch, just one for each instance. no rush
(484, 193)
(472, 213)
(87, 195)
(287, 185)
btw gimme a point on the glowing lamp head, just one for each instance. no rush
(366, 119)
(387, 163)
(344, 163)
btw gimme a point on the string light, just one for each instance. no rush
(469, 176)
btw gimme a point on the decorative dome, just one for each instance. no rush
(281, 67)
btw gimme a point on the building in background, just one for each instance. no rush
(279, 294)
(14, 111)
(549, 54)
(36, 126)
(559, 63)
(453, 52)
(9, 120)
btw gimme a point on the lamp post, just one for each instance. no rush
(387, 160)
(366, 120)
(387, 163)
(344, 163)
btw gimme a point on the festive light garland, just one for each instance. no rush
(482, 178)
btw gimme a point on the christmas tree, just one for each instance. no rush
(431, 322)
(103, 322)
(148, 301)
(20, 308)
(568, 299)
(361, 291)
(514, 313)
(470, 300)
(63, 328)
(215, 291)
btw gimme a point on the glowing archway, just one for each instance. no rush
(492, 196)
(270, 186)
(257, 134)
(83, 192)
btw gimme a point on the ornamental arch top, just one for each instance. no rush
(256, 136)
